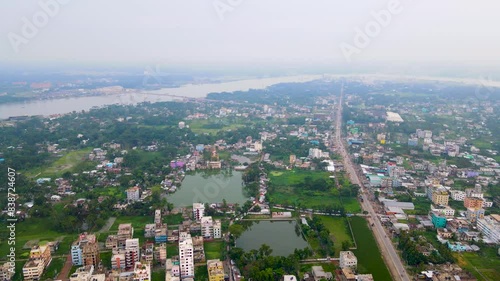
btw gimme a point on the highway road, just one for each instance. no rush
(390, 255)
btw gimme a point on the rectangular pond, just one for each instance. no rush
(209, 187)
(282, 236)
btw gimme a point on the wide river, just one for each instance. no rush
(61, 106)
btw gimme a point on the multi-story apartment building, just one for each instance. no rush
(473, 215)
(132, 252)
(186, 258)
(125, 231)
(33, 270)
(6, 272)
(161, 233)
(207, 227)
(474, 192)
(133, 194)
(40, 258)
(85, 250)
(198, 211)
(473, 202)
(438, 220)
(90, 253)
(42, 253)
(158, 217)
(215, 270)
(217, 229)
(445, 210)
(490, 227)
(142, 271)
(440, 197)
(118, 259)
(458, 195)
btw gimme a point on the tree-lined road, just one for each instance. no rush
(390, 255)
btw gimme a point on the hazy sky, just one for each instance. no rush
(252, 30)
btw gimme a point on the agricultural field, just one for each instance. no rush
(65, 163)
(286, 190)
(484, 265)
(339, 231)
(212, 126)
(368, 253)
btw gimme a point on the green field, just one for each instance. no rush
(172, 250)
(65, 163)
(213, 250)
(212, 126)
(339, 231)
(283, 191)
(173, 219)
(368, 253)
(484, 265)
(34, 230)
(138, 222)
(54, 268)
(158, 275)
(201, 273)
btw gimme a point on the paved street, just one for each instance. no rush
(386, 247)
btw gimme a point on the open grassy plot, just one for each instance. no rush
(368, 253)
(484, 265)
(286, 189)
(288, 178)
(173, 219)
(172, 250)
(106, 258)
(63, 164)
(158, 275)
(212, 126)
(339, 231)
(201, 272)
(54, 268)
(138, 222)
(32, 230)
(284, 192)
(351, 205)
(213, 250)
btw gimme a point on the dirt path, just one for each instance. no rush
(108, 225)
(63, 275)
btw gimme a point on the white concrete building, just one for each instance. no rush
(186, 255)
(132, 252)
(198, 211)
(458, 195)
(315, 153)
(217, 229)
(133, 194)
(490, 227)
(142, 271)
(447, 210)
(207, 227)
(348, 259)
